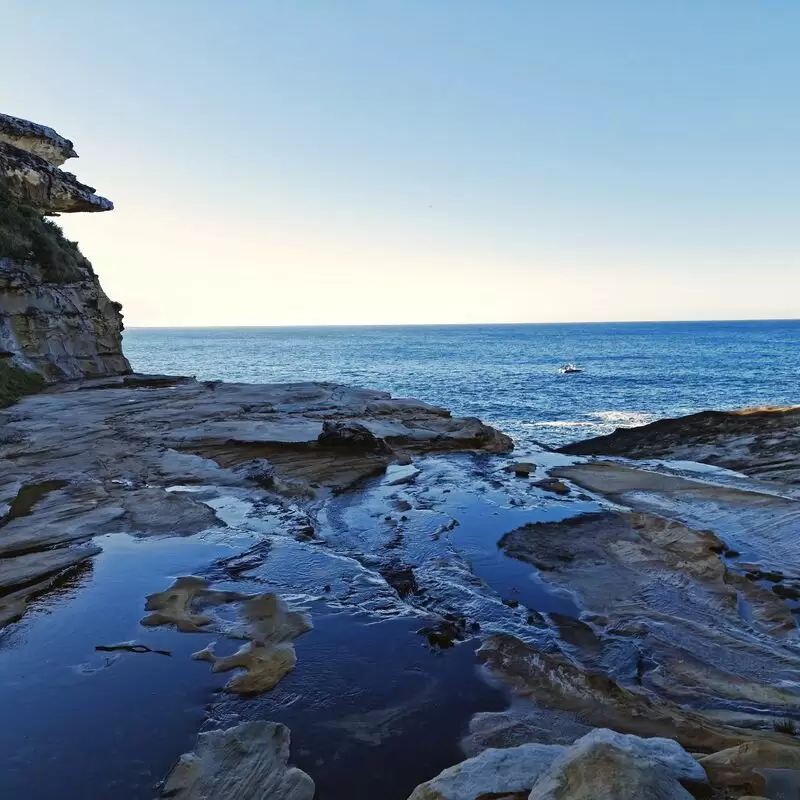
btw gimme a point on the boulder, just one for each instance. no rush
(602, 764)
(246, 762)
(596, 769)
(747, 766)
(493, 773)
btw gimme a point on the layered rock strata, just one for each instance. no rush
(55, 319)
(101, 456)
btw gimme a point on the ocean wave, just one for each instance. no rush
(623, 419)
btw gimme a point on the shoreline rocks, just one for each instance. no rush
(762, 442)
(246, 762)
(131, 440)
(602, 765)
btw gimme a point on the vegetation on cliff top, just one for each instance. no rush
(26, 236)
(15, 383)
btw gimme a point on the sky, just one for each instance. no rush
(315, 162)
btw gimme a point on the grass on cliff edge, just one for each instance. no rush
(26, 236)
(15, 383)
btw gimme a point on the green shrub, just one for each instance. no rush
(25, 235)
(15, 383)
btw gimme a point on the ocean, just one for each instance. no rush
(508, 374)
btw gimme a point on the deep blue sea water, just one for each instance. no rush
(508, 374)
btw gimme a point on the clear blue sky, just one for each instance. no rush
(326, 161)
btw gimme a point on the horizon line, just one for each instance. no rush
(457, 324)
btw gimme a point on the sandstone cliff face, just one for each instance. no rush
(55, 318)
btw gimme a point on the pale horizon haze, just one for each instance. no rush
(408, 162)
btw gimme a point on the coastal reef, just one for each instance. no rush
(763, 442)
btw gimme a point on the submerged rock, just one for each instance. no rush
(265, 621)
(264, 665)
(247, 762)
(269, 621)
(180, 605)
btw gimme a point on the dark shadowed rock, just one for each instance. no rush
(401, 578)
(351, 435)
(553, 485)
(764, 442)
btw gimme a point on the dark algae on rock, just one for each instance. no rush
(16, 382)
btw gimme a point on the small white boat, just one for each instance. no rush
(570, 368)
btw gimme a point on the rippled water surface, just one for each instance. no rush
(507, 374)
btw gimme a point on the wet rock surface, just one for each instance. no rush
(457, 608)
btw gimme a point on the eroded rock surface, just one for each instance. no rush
(35, 182)
(37, 139)
(247, 762)
(764, 442)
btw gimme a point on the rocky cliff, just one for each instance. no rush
(55, 319)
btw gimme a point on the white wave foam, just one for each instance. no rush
(564, 424)
(623, 419)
